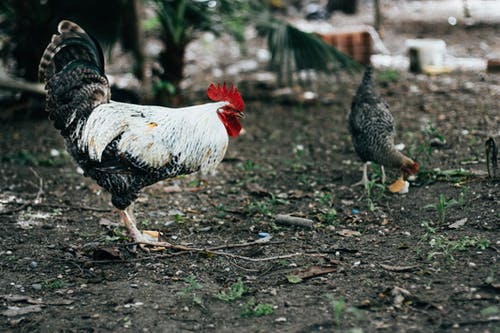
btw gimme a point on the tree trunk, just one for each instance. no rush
(172, 63)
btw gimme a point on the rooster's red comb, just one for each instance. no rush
(223, 93)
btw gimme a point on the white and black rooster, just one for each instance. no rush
(126, 147)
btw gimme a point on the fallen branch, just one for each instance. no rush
(20, 85)
(294, 221)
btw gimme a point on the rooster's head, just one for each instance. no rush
(230, 112)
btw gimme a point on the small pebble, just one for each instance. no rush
(280, 320)
(134, 285)
(355, 211)
(33, 264)
(263, 234)
(36, 286)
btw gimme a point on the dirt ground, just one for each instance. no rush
(426, 261)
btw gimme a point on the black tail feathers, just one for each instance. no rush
(72, 67)
(71, 47)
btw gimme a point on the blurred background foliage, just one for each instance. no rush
(27, 25)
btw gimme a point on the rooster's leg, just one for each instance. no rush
(128, 218)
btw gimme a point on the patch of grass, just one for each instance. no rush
(54, 284)
(190, 290)
(237, 290)
(339, 310)
(179, 218)
(374, 192)
(249, 166)
(329, 217)
(266, 206)
(462, 198)
(251, 309)
(192, 285)
(26, 157)
(442, 206)
(221, 211)
(447, 247)
(388, 76)
(324, 198)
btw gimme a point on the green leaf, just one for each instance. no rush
(294, 279)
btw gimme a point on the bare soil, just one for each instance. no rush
(373, 262)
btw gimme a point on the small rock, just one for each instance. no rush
(134, 285)
(263, 234)
(280, 320)
(33, 264)
(36, 286)
(355, 211)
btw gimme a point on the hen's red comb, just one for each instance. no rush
(223, 93)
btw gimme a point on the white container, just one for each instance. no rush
(425, 52)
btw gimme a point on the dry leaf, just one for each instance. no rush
(313, 271)
(257, 189)
(398, 268)
(172, 189)
(397, 186)
(348, 233)
(151, 235)
(458, 223)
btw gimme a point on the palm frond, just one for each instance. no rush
(293, 50)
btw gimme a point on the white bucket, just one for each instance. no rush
(425, 52)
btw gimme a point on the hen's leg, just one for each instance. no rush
(383, 174)
(364, 179)
(128, 218)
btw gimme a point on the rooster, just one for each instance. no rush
(372, 131)
(125, 147)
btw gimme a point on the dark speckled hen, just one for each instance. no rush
(125, 147)
(372, 131)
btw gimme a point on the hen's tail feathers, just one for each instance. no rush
(367, 78)
(72, 67)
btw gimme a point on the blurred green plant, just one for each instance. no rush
(250, 309)
(180, 21)
(238, 289)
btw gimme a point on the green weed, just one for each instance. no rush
(447, 247)
(387, 76)
(330, 216)
(266, 206)
(442, 206)
(237, 290)
(190, 289)
(339, 309)
(54, 284)
(374, 192)
(221, 211)
(250, 309)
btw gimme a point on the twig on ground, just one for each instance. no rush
(47, 205)
(294, 221)
(214, 251)
(40, 192)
